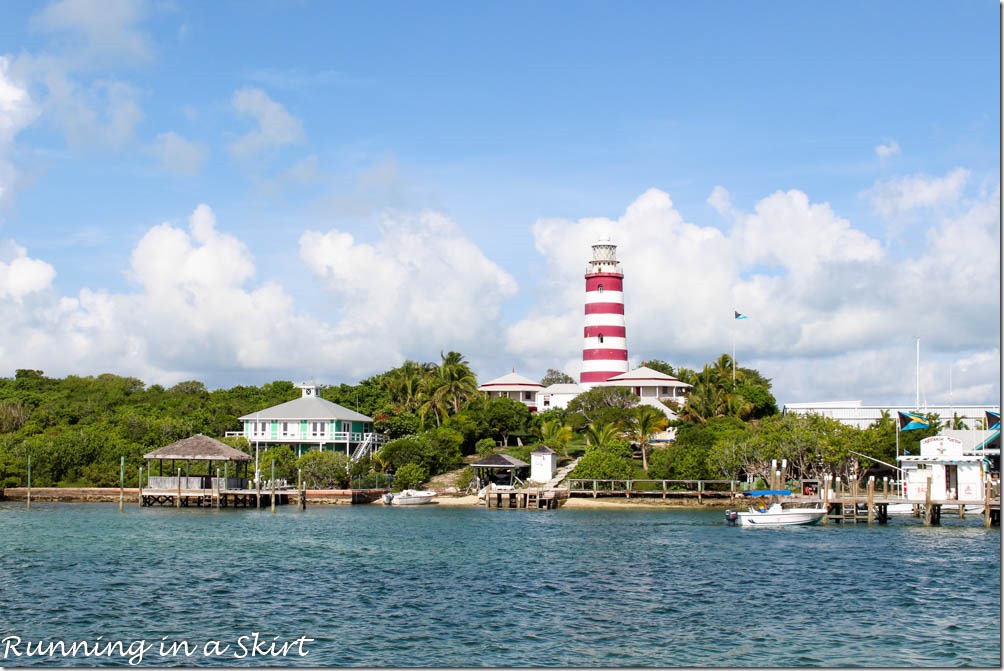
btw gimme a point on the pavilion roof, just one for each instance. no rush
(499, 461)
(198, 448)
(307, 408)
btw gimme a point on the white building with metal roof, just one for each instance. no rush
(311, 422)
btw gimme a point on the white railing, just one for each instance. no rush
(309, 437)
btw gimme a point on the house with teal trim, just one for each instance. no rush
(312, 423)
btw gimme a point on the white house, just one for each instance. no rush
(954, 475)
(311, 422)
(557, 395)
(645, 382)
(514, 386)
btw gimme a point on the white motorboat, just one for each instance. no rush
(409, 497)
(774, 513)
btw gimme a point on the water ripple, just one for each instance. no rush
(467, 587)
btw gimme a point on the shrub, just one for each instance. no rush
(601, 465)
(410, 476)
(485, 446)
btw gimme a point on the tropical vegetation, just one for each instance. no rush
(77, 429)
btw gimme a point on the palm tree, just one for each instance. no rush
(555, 433)
(646, 421)
(601, 435)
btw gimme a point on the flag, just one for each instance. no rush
(739, 315)
(908, 421)
(993, 419)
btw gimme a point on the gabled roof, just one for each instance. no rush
(511, 382)
(643, 375)
(307, 408)
(543, 449)
(198, 448)
(499, 461)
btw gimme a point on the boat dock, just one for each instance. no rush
(530, 498)
(222, 498)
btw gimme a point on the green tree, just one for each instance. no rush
(553, 376)
(645, 422)
(410, 476)
(324, 470)
(602, 465)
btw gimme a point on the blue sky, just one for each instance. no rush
(240, 192)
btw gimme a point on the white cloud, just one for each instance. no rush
(21, 275)
(100, 30)
(422, 287)
(898, 196)
(887, 150)
(178, 155)
(832, 315)
(17, 112)
(275, 127)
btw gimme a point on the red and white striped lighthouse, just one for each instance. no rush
(604, 349)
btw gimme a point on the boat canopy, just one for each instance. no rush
(768, 492)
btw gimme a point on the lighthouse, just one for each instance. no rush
(604, 348)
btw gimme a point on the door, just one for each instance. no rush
(951, 482)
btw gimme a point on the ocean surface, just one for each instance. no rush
(88, 585)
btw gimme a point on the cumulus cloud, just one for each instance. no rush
(178, 155)
(98, 29)
(887, 149)
(422, 287)
(274, 126)
(21, 275)
(17, 112)
(832, 315)
(904, 194)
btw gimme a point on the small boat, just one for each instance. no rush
(772, 512)
(408, 497)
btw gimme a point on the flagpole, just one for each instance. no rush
(918, 372)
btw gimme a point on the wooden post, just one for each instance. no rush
(826, 499)
(927, 503)
(627, 489)
(594, 489)
(122, 484)
(302, 493)
(273, 485)
(987, 490)
(885, 487)
(28, 506)
(218, 492)
(871, 499)
(700, 490)
(664, 489)
(177, 503)
(139, 496)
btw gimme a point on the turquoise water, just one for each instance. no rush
(439, 586)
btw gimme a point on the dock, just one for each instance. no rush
(532, 498)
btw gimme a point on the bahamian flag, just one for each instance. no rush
(908, 421)
(993, 419)
(739, 315)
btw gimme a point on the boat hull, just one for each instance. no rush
(410, 497)
(784, 518)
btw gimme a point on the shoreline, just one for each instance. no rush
(344, 497)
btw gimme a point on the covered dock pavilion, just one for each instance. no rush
(222, 481)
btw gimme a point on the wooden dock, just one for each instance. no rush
(531, 498)
(220, 498)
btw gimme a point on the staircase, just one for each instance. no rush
(369, 444)
(561, 474)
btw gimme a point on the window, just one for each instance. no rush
(527, 395)
(600, 336)
(600, 288)
(285, 428)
